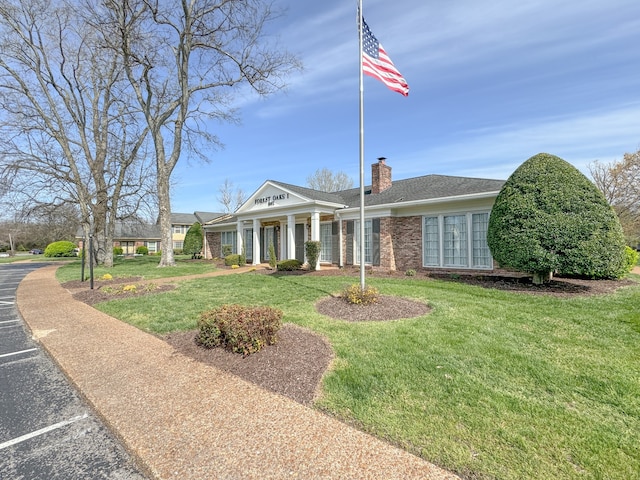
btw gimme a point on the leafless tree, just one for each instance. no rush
(327, 181)
(230, 198)
(36, 228)
(620, 183)
(184, 60)
(67, 131)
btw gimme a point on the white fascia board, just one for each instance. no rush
(389, 207)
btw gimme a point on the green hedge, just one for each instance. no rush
(289, 264)
(234, 259)
(62, 248)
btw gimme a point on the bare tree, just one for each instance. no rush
(327, 181)
(36, 228)
(620, 183)
(67, 133)
(230, 198)
(184, 59)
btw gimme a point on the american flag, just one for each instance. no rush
(377, 64)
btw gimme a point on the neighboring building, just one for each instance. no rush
(433, 221)
(181, 222)
(131, 235)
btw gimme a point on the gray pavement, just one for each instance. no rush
(47, 431)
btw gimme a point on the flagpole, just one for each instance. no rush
(362, 250)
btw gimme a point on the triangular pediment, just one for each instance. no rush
(271, 196)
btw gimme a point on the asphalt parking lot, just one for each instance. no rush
(47, 431)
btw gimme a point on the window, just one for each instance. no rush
(325, 242)
(481, 253)
(368, 243)
(180, 229)
(456, 241)
(228, 238)
(152, 246)
(431, 242)
(128, 248)
(178, 245)
(248, 243)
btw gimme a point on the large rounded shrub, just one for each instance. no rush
(62, 248)
(549, 218)
(193, 240)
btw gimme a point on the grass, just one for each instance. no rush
(143, 266)
(491, 384)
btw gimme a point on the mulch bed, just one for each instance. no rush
(294, 366)
(387, 308)
(82, 292)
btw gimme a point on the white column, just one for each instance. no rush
(315, 226)
(256, 242)
(239, 238)
(315, 232)
(340, 233)
(283, 240)
(291, 236)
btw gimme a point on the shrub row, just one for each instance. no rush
(289, 265)
(239, 328)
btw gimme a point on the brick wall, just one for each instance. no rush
(406, 236)
(387, 255)
(214, 240)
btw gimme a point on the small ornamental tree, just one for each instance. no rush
(193, 241)
(312, 249)
(549, 218)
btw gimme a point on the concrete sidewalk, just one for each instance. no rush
(186, 420)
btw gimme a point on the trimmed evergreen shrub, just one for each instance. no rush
(312, 249)
(227, 250)
(193, 240)
(62, 248)
(233, 259)
(289, 264)
(239, 328)
(142, 250)
(118, 251)
(549, 218)
(273, 259)
(630, 258)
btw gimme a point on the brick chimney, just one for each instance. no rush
(380, 176)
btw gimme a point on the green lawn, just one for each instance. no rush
(143, 266)
(490, 384)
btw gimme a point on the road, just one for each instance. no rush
(47, 431)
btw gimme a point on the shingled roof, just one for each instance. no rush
(427, 187)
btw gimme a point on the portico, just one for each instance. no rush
(275, 215)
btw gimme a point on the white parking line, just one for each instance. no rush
(42, 431)
(8, 321)
(17, 353)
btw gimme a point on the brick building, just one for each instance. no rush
(432, 222)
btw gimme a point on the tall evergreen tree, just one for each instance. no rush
(193, 241)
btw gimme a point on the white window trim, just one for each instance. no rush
(356, 247)
(469, 235)
(329, 245)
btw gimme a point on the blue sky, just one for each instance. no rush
(491, 84)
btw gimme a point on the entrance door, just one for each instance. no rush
(269, 239)
(300, 242)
